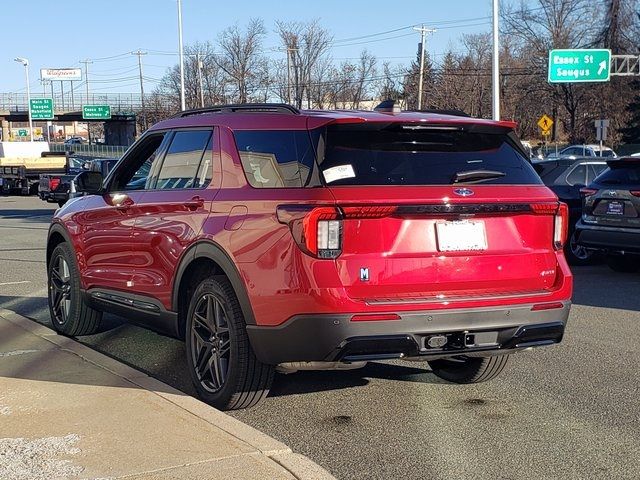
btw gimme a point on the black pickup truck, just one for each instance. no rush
(58, 188)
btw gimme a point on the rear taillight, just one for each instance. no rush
(561, 227)
(53, 183)
(560, 222)
(635, 193)
(318, 230)
(587, 192)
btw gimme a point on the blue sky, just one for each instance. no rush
(59, 33)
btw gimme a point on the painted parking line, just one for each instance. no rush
(14, 283)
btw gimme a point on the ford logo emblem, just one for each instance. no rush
(463, 192)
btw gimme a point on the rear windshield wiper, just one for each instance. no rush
(475, 176)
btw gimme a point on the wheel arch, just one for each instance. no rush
(57, 235)
(200, 261)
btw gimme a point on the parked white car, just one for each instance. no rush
(575, 151)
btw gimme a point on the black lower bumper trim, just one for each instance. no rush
(336, 338)
(608, 239)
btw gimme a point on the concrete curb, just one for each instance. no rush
(298, 465)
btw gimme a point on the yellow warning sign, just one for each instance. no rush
(545, 123)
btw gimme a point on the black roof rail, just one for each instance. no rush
(241, 107)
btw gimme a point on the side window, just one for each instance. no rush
(136, 167)
(187, 163)
(276, 158)
(577, 175)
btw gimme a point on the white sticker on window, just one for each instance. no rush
(338, 173)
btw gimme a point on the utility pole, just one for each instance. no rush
(423, 31)
(288, 75)
(200, 79)
(181, 50)
(495, 72)
(86, 75)
(140, 53)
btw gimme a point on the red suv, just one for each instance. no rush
(266, 236)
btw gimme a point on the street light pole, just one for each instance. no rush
(181, 50)
(25, 63)
(495, 74)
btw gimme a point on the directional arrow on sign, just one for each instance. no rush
(603, 67)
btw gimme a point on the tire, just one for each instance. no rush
(70, 315)
(222, 364)
(577, 255)
(623, 263)
(469, 369)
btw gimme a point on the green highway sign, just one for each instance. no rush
(22, 132)
(96, 112)
(579, 65)
(41, 108)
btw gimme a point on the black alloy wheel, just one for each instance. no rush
(211, 342)
(221, 361)
(60, 297)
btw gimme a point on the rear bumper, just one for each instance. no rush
(53, 197)
(608, 239)
(307, 338)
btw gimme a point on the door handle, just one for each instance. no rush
(195, 203)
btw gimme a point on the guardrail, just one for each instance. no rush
(108, 151)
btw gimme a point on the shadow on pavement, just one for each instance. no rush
(33, 215)
(599, 286)
(319, 381)
(164, 358)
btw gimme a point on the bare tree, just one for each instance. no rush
(549, 24)
(200, 63)
(304, 44)
(242, 60)
(390, 86)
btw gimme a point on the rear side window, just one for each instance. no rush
(276, 158)
(577, 175)
(620, 175)
(396, 154)
(185, 164)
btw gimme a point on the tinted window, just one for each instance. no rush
(137, 164)
(396, 154)
(181, 166)
(620, 175)
(605, 154)
(595, 169)
(577, 175)
(276, 159)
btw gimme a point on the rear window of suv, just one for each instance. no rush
(621, 174)
(397, 154)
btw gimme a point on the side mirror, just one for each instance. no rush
(89, 182)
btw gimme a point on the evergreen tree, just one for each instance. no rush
(631, 133)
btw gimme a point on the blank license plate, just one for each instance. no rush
(615, 208)
(461, 236)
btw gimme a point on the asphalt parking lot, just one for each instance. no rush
(568, 411)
